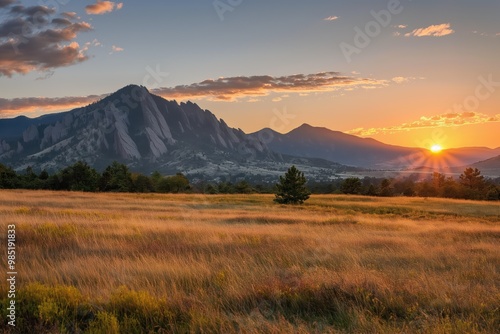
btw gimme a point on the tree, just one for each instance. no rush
(173, 184)
(386, 189)
(156, 177)
(351, 185)
(225, 188)
(8, 178)
(79, 177)
(438, 181)
(473, 184)
(243, 187)
(405, 187)
(472, 179)
(210, 189)
(44, 175)
(493, 193)
(142, 183)
(291, 188)
(30, 179)
(371, 191)
(451, 189)
(116, 178)
(29, 174)
(426, 189)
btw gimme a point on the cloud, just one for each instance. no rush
(31, 39)
(115, 48)
(331, 18)
(222, 89)
(401, 80)
(434, 31)
(5, 3)
(402, 26)
(34, 104)
(442, 120)
(94, 43)
(485, 34)
(69, 15)
(103, 7)
(233, 88)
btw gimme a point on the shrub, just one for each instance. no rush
(104, 323)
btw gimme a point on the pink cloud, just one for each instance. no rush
(442, 120)
(103, 7)
(433, 30)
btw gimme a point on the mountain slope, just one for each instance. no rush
(490, 163)
(316, 142)
(11, 128)
(470, 155)
(489, 167)
(147, 133)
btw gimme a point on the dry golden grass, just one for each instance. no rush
(239, 263)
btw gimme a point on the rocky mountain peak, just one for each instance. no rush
(132, 126)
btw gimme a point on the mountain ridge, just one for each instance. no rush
(149, 132)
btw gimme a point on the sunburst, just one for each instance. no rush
(436, 148)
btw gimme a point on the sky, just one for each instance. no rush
(409, 73)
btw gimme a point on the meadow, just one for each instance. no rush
(140, 263)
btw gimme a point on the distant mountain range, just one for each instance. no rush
(149, 133)
(319, 142)
(316, 142)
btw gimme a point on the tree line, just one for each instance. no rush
(470, 185)
(81, 177)
(118, 178)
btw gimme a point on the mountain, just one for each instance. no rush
(12, 127)
(454, 161)
(469, 155)
(318, 142)
(147, 133)
(489, 167)
(490, 163)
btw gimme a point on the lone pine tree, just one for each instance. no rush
(292, 188)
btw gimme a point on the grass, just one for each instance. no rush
(139, 263)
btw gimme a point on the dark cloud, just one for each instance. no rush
(31, 39)
(228, 89)
(61, 22)
(5, 3)
(13, 26)
(33, 11)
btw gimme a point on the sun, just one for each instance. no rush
(436, 148)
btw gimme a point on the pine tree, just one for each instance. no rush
(292, 188)
(351, 185)
(472, 179)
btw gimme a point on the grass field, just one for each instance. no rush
(139, 263)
